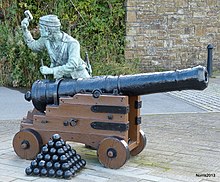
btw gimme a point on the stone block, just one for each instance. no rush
(212, 29)
(200, 30)
(168, 43)
(131, 30)
(199, 14)
(182, 3)
(129, 54)
(131, 3)
(131, 8)
(211, 3)
(131, 16)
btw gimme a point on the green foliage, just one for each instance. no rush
(18, 64)
(99, 26)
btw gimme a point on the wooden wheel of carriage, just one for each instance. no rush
(141, 145)
(113, 152)
(27, 143)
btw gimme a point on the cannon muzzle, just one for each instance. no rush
(46, 92)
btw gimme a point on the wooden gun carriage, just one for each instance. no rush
(101, 112)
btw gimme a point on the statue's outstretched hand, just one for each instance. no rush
(24, 23)
(45, 70)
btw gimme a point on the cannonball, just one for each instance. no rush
(47, 157)
(63, 158)
(72, 171)
(39, 156)
(78, 166)
(49, 164)
(58, 144)
(59, 173)
(56, 137)
(51, 173)
(44, 150)
(65, 166)
(62, 142)
(67, 156)
(33, 164)
(68, 147)
(36, 171)
(52, 151)
(41, 163)
(70, 163)
(55, 158)
(75, 168)
(67, 174)
(60, 151)
(43, 172)
(56, 165)
(73, 152)
(78, 156)
(83, 162)
(50, 143)
(28, 170)
(70, 153)
(75, 158)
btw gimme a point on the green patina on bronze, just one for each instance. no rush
(63, 50)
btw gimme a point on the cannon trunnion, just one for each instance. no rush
(101, 112)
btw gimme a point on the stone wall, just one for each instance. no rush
(172, 34)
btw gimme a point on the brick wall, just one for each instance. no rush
(170, 34)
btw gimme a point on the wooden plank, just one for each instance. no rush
(82, 126)
(119, 100)
(132, 145)
(133, 133)
(82, 111)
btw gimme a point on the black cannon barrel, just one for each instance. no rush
(46, 92)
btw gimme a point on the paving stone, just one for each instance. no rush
(207, 99)
(206, 180)
(19, 180)
(170, 180)
(93, 177)
(7, 178)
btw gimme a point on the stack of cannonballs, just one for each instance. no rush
(56, 159)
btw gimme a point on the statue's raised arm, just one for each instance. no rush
(63, 50)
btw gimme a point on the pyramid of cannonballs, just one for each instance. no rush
(56, 159)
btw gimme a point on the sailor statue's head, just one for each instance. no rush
(49, 25)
